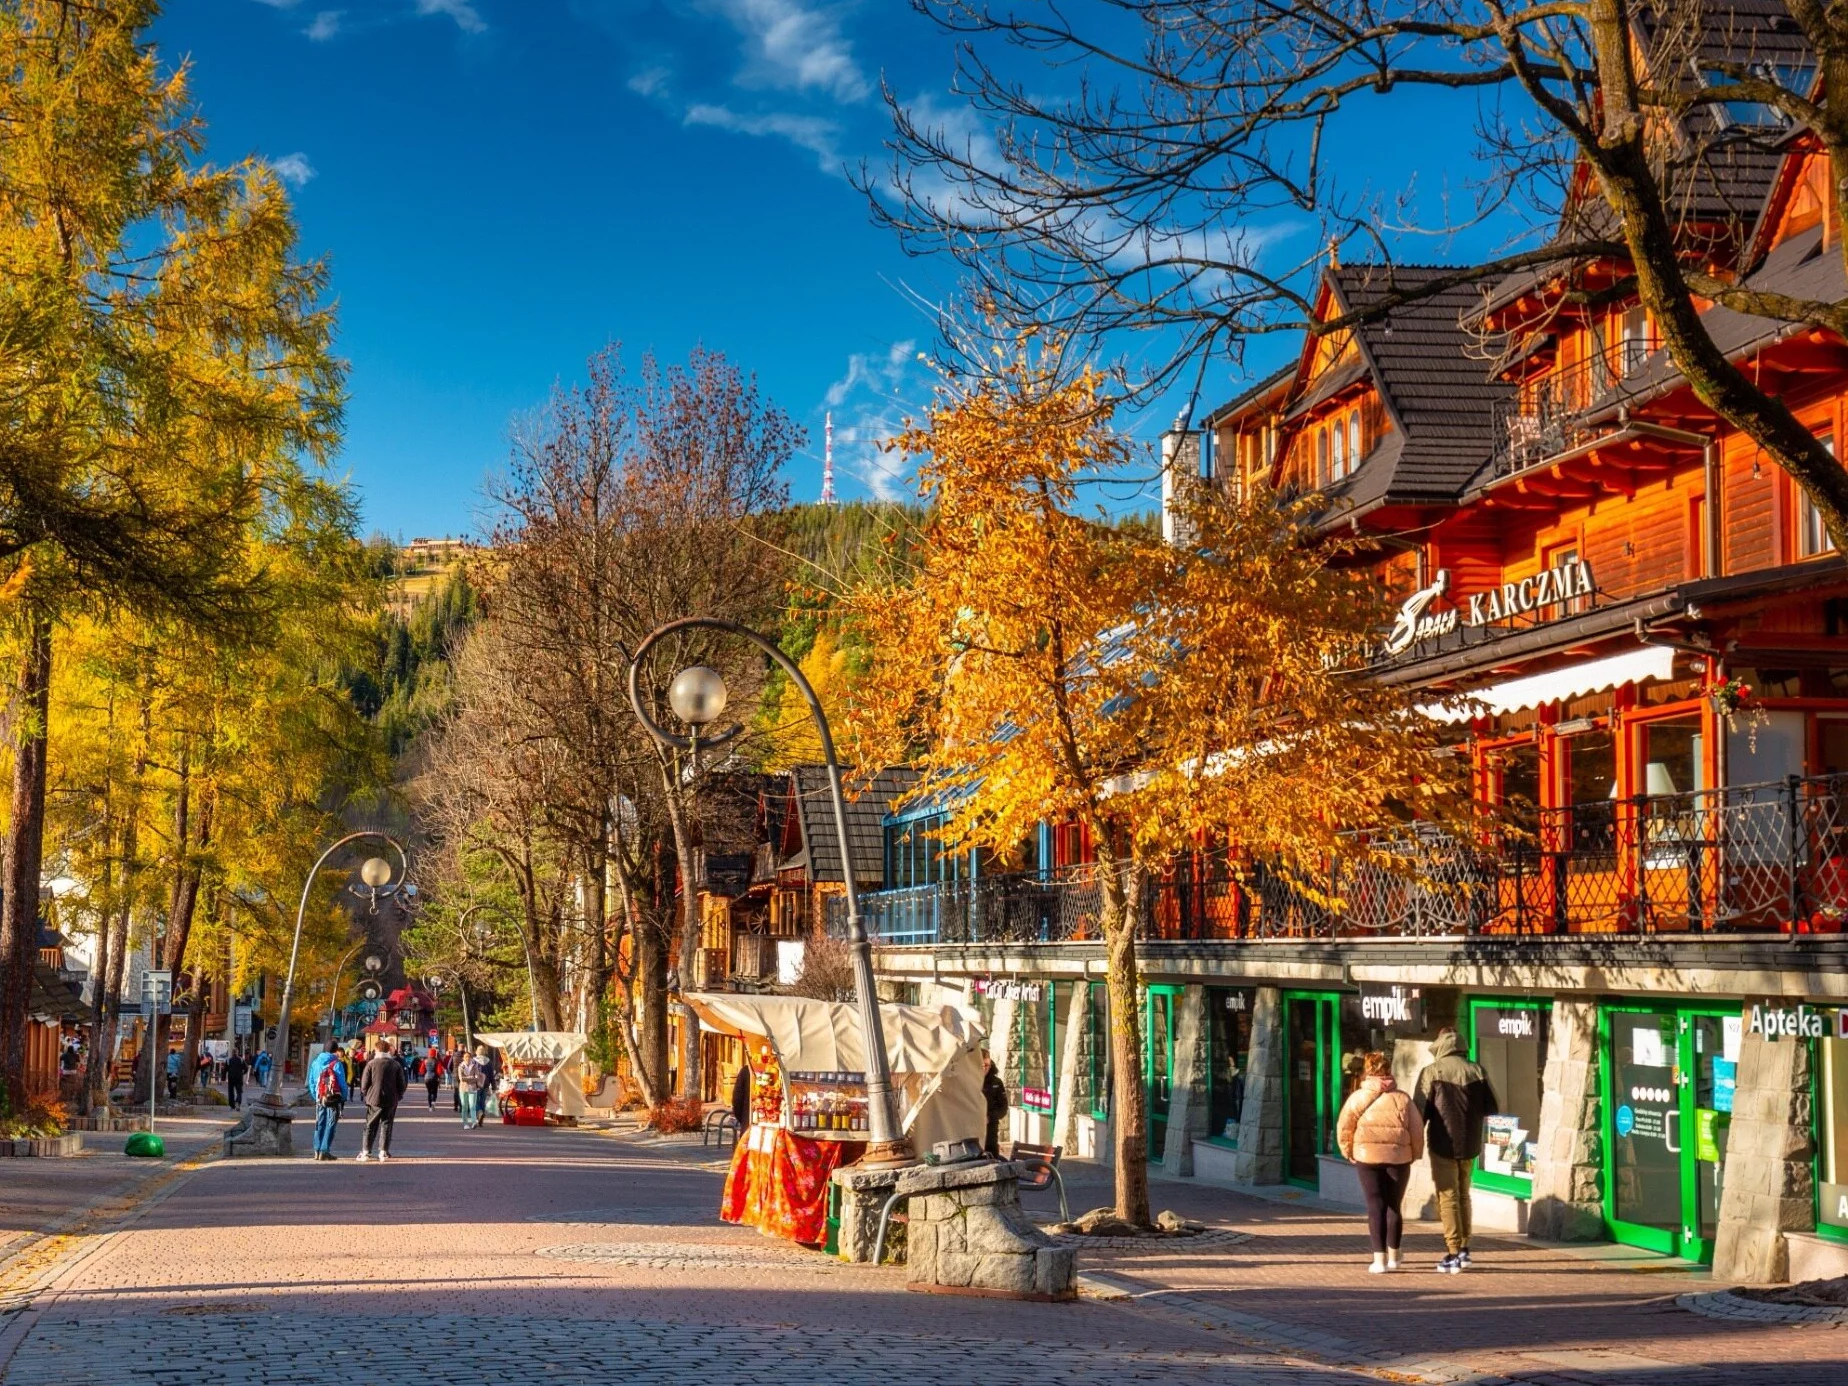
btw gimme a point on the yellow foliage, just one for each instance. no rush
(793, 738)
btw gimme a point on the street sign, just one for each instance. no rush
(157, 990)
(243, 1021)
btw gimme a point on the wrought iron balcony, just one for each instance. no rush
(1551, 415)
(1753, 859)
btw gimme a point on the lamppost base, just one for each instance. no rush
(266, 1130)
(888, 1155)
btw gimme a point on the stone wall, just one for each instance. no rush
(1568, 1190)
(968, 1235)
(1769, 1184)
(1187, 1085)
(1259, 1158)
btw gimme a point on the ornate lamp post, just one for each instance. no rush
(532, 986)
(268, 1122)
(698, 696)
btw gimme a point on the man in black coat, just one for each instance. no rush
(994, 1096)
(235, 1068)
(1455, 1099)
(382, 1084)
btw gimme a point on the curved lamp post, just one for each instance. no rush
(376, 874)
(698, 696)
(532, 986)
(333, 989)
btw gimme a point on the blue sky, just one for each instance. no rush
(505, 186)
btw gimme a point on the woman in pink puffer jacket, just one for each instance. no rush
(1379, 1131)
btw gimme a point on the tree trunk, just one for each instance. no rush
(25, 847)
(1118, 899)
(182, 907)
(102, 1052)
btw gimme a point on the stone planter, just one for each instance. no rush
(266, 1130)
(863, 1195)
(43, 1147)
(968, 1236)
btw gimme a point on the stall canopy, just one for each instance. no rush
(935, 1055)
(559, 1052)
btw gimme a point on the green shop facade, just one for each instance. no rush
(1674, 1095)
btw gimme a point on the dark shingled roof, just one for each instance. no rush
(1437, 389)
(867, 806)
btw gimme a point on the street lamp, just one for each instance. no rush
(698, 696)
(376, 875)
(333, 988)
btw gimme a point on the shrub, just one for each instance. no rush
(676, 1114)
(43, 1114)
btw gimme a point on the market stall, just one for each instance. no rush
(808, 1096)
(541, 1076)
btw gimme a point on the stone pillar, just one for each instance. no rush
(1074, 1071)
(1187, 1093)
(863, 1197)
(1260, 1120)
(267, 1129)
(1768, 1185)
(1568, 1191)
(968, 1235)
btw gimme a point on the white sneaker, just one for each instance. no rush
(1377, 1268)
(1392, 1260)
(361, 1157)
(384, 1155)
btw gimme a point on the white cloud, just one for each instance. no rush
(792, 45)
(869, 404)
(651, 82)
(821, 137)
(326, 24)
(280, 4)
(873, 372)
(463, 12)
(293, 169)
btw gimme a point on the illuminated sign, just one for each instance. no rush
(1565, 582)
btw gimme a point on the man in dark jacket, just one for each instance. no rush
(994, 1093)
(235, 1068)
(1455, 1100)
(382, 1084)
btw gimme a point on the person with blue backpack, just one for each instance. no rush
(327, 1081)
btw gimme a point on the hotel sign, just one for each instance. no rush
(1538, 595)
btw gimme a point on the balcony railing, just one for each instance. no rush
(1549, 415)
(1756, 859)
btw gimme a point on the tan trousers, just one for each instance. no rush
(1452, 1180)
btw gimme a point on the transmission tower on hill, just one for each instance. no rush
(827, 460)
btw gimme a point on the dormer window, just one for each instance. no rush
(1354, 453)
(1321, 457)
(1338, 464)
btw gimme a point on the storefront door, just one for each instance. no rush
(1312, 1050)
(1158, 1064)
(1668, 1079)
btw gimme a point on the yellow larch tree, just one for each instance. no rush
(1039, 665)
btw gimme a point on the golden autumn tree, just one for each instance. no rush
(1039, 665)
(166, 381)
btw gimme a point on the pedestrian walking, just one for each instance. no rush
(173, 1074)
(994, 1093)
(454, 1065)
(327, 1081)
(433, 1076)
(471, 1078)
(1455, 1100)
(382, 1085)
(1380, 1132)
(235, 1068)
(260, 1067)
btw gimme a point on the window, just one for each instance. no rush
(1228, 1052)
(1812, 537)
(1353, 440)
(1832, 1137)
(1509, 1039)
(1034, 1020)
(1337, 443)
(1321, 457)
(1634, 337)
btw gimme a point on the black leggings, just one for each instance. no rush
(1384, 1187)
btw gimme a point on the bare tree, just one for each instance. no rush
(1140, 199)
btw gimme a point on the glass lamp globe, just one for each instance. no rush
(376, 872)
(697, 695)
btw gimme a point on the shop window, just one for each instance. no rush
(1036, 1023)
(1832, 742)
(1673, 762)
(1812, 537)
(1359, 1036)
(1228, 1051)
(1832, 1137)
(1509, 1040)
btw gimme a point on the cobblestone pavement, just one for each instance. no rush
(513, 1255)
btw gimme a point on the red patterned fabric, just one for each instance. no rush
(778, 1183)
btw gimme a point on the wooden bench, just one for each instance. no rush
(1039, 1171)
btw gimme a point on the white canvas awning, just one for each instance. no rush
(934, 1055)
(561, 1050)
(1559, 685)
